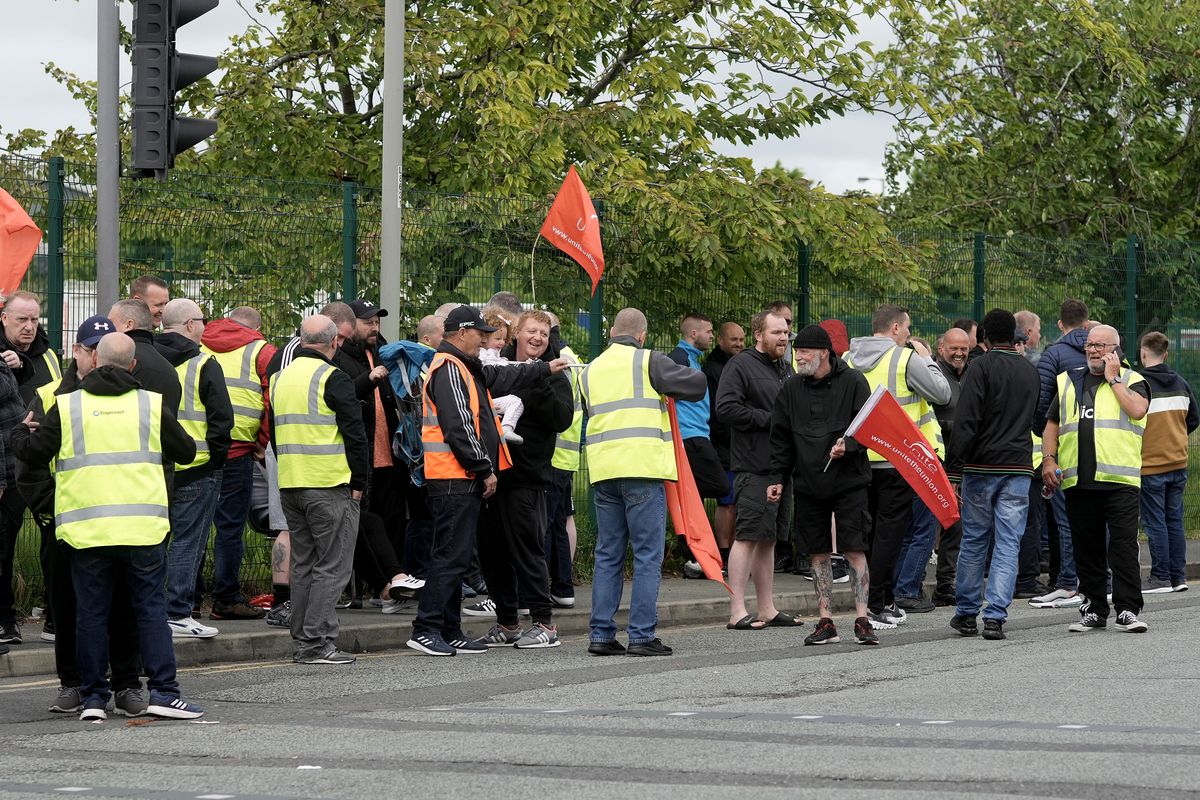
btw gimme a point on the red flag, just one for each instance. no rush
(573, 226)
(688, 516)
(19, 240)
(883, 426)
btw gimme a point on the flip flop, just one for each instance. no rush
(782, 620)
(746, 623)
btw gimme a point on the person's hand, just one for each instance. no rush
(378, 374)
(11, 358)
(1051, 474)
(919, 348)
(558, 365)
(1112, 366)
(839, 448)
(774, 492)
(29, 422)
(489, 485)
(356, 494)
(260, 453)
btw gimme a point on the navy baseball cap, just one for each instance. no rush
(93, 329)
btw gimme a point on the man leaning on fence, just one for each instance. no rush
(321, 448)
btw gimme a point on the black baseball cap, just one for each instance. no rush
(365, 309)
(466, 317)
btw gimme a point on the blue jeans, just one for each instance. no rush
(94, 573)
(1162, 519)
(233, 510)
(629, 511)
(192, 510)
(999, 502)
(914, 556)
(1068, 578)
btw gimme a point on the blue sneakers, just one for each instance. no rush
(164, 705)
(431, 644)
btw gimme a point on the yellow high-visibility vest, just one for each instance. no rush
(193, 416)
(245, 388)
(308, 443)
(891, 372)
(1117, 437)
(566, 445)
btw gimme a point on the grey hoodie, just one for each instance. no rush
(923, 375)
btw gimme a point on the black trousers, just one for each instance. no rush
(387, 500)
(558, 542)
(1093, 513)
(947, 558)
(12, 514)
(418, 538)
(374, 559)
(512, 554)
(1029, 559)
(890, 499)
(455, 506)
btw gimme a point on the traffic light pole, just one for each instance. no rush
(390, 268)
(108, 154)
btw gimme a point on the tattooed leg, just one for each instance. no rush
(823, 582)
(859, 579)
(281, 556)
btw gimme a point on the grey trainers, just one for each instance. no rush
(538, 637)
(68, 700)
(130, 703)
(1154, 585)
(499, 636)
(280, 616)
(329, 656)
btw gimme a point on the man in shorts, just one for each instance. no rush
(830, 474)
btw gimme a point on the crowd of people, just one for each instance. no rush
(440, 469)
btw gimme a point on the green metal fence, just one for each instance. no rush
(288, 247)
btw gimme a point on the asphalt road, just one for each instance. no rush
(1045, 713)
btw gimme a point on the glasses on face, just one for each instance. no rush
(199, 319)
(1099, 345)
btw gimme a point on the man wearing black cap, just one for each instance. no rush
(830, 474)
(463, 453)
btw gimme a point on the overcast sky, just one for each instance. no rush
(836, 153)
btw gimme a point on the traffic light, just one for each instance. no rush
(158, 73)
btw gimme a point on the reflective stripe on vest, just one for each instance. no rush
(109, 487)
(891, 372)
(1117, 438)
(193, 416)
(245, 388)
(53, 364)
(308, 443)
(45, 393)
(628, 429)
(440, 462)
(566, 444)
(1037, 452)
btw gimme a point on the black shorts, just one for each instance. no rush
(847, 509)
(710, 476)
(758, 520)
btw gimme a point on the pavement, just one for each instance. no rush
(681, 602)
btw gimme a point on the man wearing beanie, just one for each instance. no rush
(830, 474)
(991, 441)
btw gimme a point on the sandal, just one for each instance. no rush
(782, 620)
(746, 623)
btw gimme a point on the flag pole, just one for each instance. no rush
(532, 282)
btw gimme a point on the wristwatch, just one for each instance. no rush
(1115, 381)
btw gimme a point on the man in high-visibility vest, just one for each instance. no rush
(630, 453)
(560, 501)
(464, 452)
(321, 448)
(25, 350)
(911, 376)
(1092, 449)
(206, 414)
(110, 441)
(243, 353)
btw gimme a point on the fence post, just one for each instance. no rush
(596, 307)
(54, 253)
(350, 241)
(803, 293)
(980, 277)
(1131, 275)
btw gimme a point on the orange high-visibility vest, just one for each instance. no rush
(440, 462)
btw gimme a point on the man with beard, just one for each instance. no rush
(731, 340)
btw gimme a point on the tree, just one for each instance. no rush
(1075, 118)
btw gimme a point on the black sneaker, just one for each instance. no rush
(964, 625)
(130, 702)
(826, 633)
(10, 634)
(915, 605)
(864, 633)
(613, 648)
(993, 629)
(47, 631)
(467, 647)
(783, 563)
(237, 610)
(692, 570)
(1088, 623)
(1127, 621)
(68, 700)
(943, 599)
(654, 647)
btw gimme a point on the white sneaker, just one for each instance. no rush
(396, 606)
(1059, 598)
(1180, 587)
(188, 628)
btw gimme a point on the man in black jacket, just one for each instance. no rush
(459, 421)
(992, 442)
(153, 372)
(829, 473)
(731, 340)
(197, 486)
(24, 345)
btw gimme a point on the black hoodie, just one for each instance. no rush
(352, 359)
(718, 431)
(34, 371)
(549, 407)
(810, 416)
(36, 481)
(39, 447)
(750, 383)
(176, 349)
(153, 371)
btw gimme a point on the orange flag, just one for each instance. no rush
(688, 516)
(19, 240)
(573, 226)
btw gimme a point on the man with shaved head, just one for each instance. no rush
(429, 331)
(629, 454)
(321, 448)
(1092, 449)
(133, 318)
(112, 441)
(206, 414)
